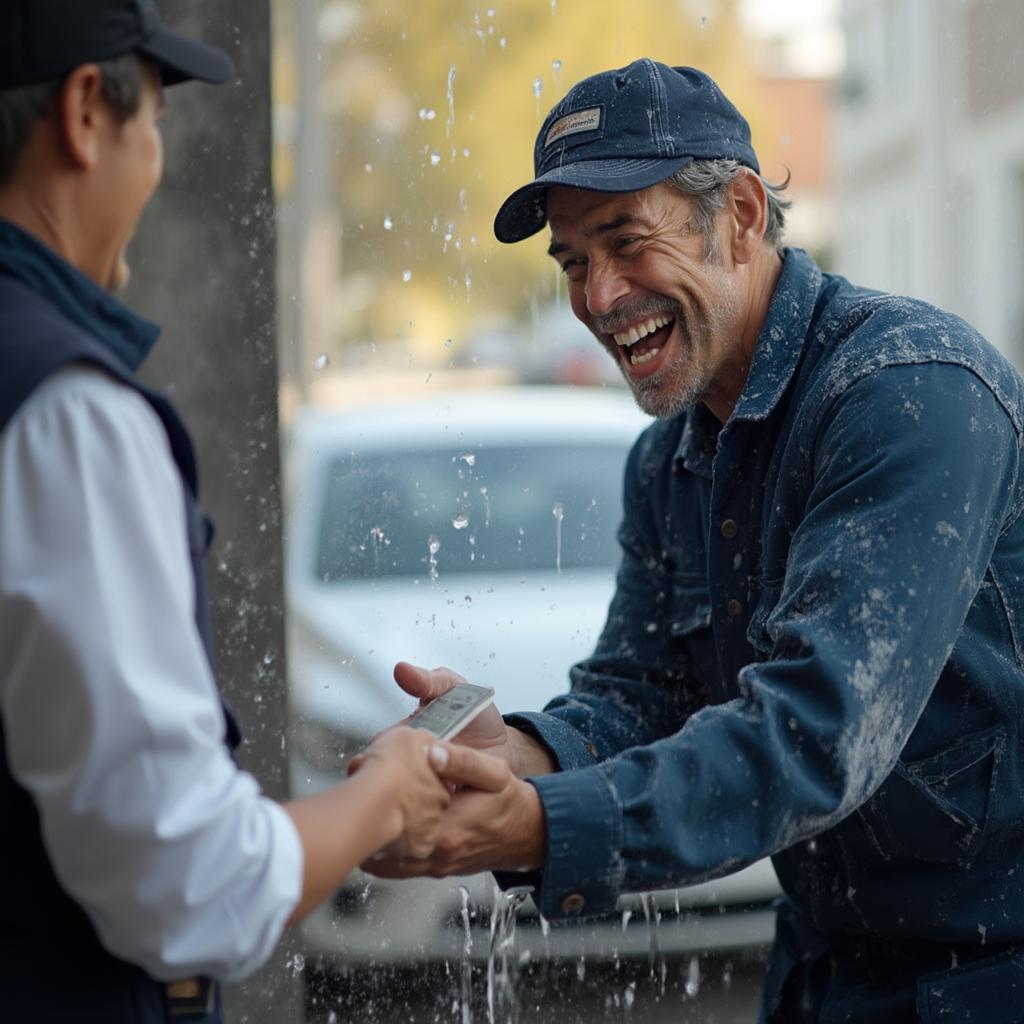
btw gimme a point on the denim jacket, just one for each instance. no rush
(816, 646)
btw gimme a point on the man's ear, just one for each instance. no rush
(81, 113)
(747, 206)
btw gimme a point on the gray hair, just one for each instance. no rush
(706, 183)
(24, 105)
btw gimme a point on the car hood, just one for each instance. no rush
(517, 633)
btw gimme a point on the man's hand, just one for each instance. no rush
(487, 732)
(481, 831)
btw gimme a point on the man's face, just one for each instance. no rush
(638, 278)
(128, 173)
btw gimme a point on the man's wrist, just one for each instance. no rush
(533, 832)
(529, 755)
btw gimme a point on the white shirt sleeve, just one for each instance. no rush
(112, 717)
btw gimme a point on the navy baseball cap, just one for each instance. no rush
(625, 130)
(45, 39)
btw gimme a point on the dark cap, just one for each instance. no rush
(45, 39)
(625, 130)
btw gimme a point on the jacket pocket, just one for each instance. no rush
(989, 991)
(935, 809)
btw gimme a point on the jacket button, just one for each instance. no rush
(573, 903)
(734, 608)
(729, 528)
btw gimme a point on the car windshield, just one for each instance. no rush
(495, 509)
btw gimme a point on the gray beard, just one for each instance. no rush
(675, 387)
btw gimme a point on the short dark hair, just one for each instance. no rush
(23, 106)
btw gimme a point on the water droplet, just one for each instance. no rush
(503, 42)
(469, 458)
(703, 22)
(426, 114)
(406, 276)
(490, 12)
(435, 158)
(468, 599)
(368, 168)
(448, 343)
(693, 977)
(433, 546)
(538, 87)
(388, 223)
(461, 521)
(321, 361)
(556, 66)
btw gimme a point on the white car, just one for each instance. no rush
(475, 530)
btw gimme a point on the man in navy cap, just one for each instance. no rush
(815, 651)
(139, 863)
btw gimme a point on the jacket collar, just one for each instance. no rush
(776, 355)
(24, 257)
(782, 337)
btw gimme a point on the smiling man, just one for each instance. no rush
(815, 651)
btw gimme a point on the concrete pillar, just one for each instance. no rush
(204, 267)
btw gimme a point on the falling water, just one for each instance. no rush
(460, 521)
(538, 88)
(378, 538)
(501, 964)
(433, 546)
(556, 66)
(487, 505)
(559, 513)
(467, 967)
(451, 101)
(655, 959)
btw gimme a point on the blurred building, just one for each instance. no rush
(797, 141)
(930, 156)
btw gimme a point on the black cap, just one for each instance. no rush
(45, 39)
(625, 130)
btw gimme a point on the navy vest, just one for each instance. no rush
(53, 968)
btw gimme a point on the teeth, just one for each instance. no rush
(633, 334)
(646, 357)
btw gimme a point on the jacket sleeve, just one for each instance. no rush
(914, 476)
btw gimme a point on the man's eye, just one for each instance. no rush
(572, 267)
(627, 243)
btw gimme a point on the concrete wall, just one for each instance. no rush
(204, 266)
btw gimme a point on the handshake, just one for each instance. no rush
(454, 808)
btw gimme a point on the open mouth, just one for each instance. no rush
(641, 342)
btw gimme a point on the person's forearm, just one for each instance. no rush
(339, 829)
(529, 755)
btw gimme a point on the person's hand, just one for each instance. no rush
(424, 771)
(406, 761)
(487, 732)
(496, 830)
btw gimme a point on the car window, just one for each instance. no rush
(496, 509)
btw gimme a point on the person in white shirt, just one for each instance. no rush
(140, 861)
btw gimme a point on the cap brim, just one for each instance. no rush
(182, 60)
(525, 212)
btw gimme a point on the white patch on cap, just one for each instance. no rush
(578, 121)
